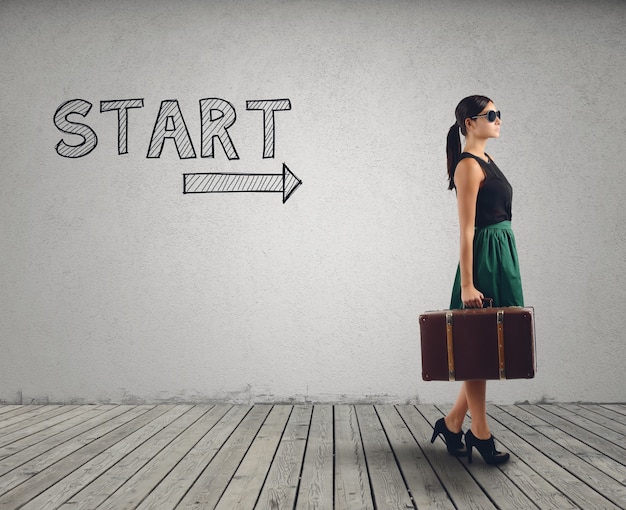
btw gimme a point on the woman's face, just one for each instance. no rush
(481, 127)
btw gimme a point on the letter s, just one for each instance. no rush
(90, 140)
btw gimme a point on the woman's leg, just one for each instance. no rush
(472, 397)
(476, 395)
(454, 419)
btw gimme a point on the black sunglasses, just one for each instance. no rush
(491, 115)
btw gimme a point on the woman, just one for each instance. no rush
(488, 264)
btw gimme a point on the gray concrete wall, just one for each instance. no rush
(115, 286)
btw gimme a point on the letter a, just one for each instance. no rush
(170, 124)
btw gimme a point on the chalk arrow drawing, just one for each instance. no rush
(285, 183)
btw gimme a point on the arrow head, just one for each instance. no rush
(290, 183)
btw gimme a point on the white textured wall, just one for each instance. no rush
(117, 287)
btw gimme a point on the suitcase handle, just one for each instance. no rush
(486, 301)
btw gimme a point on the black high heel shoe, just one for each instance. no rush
(453, 440)
(487, 449)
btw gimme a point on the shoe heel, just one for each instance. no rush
(436, 431)
(469, 452)
(453, 440)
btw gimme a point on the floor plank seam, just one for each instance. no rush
(334, 459)
(202, 471)
(587, 443)
(282, 435)
(250, 443)
(367, 469)
(427, 457)
(173, 439)
(395, 456)
(304, 458)
(557, 461)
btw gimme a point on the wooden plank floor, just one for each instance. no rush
(303, 456)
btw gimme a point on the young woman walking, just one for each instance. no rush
(488, 263)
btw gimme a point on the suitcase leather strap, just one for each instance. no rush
(451, 373)
(500, 320)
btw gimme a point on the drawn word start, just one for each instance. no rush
(217, 116)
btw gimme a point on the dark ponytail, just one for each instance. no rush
(453, 150)
(467, 108)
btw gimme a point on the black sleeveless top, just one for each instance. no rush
(495, 194)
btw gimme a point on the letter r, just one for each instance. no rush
(217, 115)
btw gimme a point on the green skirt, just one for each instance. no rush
(496, 267)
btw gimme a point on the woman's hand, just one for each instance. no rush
(471, 297)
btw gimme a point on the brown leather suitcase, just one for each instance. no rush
(478, 343)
